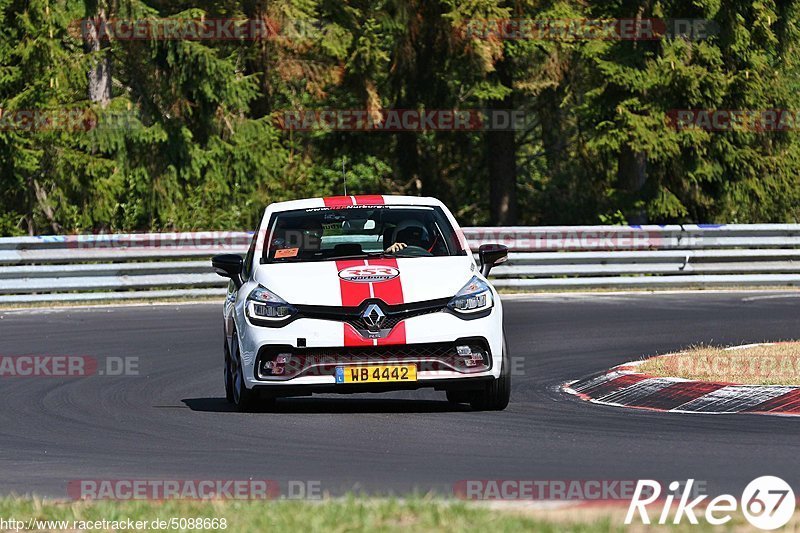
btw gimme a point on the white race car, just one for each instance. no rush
(353, 294)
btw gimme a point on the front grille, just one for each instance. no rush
(323, 361)
(393, 319)
(352, 315)
(399, 351)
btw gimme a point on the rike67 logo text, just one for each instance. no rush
(767, 503)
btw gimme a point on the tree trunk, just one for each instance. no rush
(502, 154)
(259, 62)
(44, 205)
(631, 177)
(99, 75)
(29, 218)
(554, 138)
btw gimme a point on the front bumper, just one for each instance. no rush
(284, 363)
(463, 383)
(318, 346)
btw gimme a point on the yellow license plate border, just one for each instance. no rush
(344, 372)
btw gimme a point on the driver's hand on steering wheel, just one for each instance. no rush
(396, 247)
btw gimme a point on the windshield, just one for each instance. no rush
(324, 234)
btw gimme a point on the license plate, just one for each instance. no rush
(376, 374)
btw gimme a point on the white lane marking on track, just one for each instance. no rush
(770, 297)
(106, 308)
(580, 295)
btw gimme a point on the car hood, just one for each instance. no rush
(396, 281)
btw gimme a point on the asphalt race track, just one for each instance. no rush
(172, 421)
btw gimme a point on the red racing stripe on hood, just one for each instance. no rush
(352, 293)
(390, 291)
(352, 296)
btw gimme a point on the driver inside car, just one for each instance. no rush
(409, 233)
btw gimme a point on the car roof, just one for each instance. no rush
(355, 200)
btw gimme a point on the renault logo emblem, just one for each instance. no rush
(373, 316)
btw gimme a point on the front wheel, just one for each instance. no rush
(228, 372)
(496, 394)
(243, 398)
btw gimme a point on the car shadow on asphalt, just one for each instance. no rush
(332, 406)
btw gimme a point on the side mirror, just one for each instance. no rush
(229, 266)
(491, 255)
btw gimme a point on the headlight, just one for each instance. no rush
(263, 304)
(474, 297)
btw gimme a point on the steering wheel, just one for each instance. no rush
(413, 251)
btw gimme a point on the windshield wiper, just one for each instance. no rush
(364, 255)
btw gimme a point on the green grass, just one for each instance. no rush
(349, 514)
(332, 515)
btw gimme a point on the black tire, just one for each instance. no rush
(228, 372)
(244, 399)
(497, 393)
(459, 396)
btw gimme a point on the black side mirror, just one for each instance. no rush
(229, 266)
(491, 255)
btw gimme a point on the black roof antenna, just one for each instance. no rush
(344, 176)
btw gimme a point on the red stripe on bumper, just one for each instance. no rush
(352, 338)
(396, 336)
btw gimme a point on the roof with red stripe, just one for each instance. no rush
(355, 200)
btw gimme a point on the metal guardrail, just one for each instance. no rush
(169, 265)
